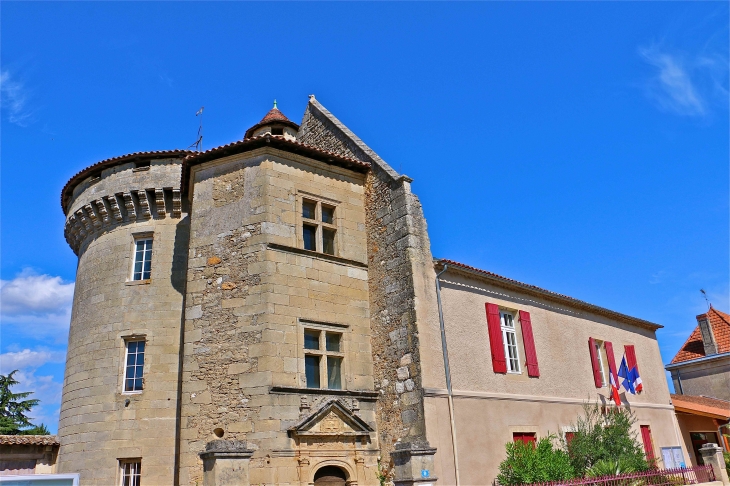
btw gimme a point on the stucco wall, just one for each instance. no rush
(96, 426)
(490, 406)
(695, 423)
(709, 378)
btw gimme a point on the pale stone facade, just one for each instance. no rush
(291, 326)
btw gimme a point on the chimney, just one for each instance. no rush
(708, 340)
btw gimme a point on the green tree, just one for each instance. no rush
(532, 463)
(601, 438)
(13, 410)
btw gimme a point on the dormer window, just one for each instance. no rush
(277, 131)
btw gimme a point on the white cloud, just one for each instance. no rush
(672, 87)
(686, 84)
(38, 305)
(14, 98)
(44, 388)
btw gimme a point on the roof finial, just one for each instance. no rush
(275, 105)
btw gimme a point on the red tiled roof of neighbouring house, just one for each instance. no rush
(548, 294)
(693, 348)
(28, 440)
(701, 405)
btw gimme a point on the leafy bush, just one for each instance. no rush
(528, 463)
(604, 437)
(610, 467)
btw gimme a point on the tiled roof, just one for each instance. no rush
(549, 294)
(28, 440)
(274, 141)
(693, 347)
(67, 190)
(273, 116)
(701, 405)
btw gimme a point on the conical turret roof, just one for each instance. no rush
(273, 117)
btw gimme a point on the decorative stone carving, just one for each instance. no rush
(129, 206)
(92, 215)
(115, 208)
(176, 203)
(102, 211)
(159, 202)
(144, 205)
(84, 220)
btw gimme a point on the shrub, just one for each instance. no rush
(610, 467)
(528, 463)
(608, 437)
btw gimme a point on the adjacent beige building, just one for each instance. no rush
(266, 312)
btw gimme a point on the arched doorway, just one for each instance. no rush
(330, 476)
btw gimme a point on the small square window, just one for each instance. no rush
(311, 369)
(309, 234)
(328, 214)
(309, 209)
(311, 339)
(333, 341)
(131, 470)
(277, 131)
(328, 241)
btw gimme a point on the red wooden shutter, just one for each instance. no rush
(648, 446)
(495, 339)
(569, 436)
(529, 342)
(594, 363)
(631, 356)
(611, 361)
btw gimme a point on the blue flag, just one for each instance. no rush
(629, 376)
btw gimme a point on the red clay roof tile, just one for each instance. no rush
(693, 348)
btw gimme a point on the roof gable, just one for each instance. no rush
(693, 348)
(331, 419)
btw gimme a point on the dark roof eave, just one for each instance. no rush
(79, 177)
(274, 141)
(547, 294)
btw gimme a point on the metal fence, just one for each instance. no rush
(653, 477)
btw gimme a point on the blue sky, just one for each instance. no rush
(578, 146)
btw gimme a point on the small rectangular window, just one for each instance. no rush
(134, 366)
(309, 234)
(328, 214)
(328, 241)
(525, 437)
(333, 342)
(309, 209)
(277, 131)
(509, 336)
(311, 339)
(334, 370)
(601, 355)
(142, 259)
(131, 472)
(311, 368)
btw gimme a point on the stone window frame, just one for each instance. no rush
(301, 196)
(127, 338)
(143, 235)
(122, 462)
(324, 327)
(602, 356)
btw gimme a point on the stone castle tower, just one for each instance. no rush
(253, 314)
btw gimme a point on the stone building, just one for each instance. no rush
(267, 312)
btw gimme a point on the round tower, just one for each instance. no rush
(127, 223)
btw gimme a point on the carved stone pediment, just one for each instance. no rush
(332, 419)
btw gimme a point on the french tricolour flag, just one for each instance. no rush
(613, 379)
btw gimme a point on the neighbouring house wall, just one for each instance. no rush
(19, 459)
(251, 290)
(710, 378)
(97, 426)
(488, 404)
(695, 423)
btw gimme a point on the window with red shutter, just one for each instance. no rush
(569, 436)
(597, 374)
(648, 444)
(525, 437)
(631, 356)
(611, 361)
(499, 365)
(529, 342)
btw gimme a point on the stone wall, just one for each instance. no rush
(99, 423)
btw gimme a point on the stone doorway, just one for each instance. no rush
(330, 476)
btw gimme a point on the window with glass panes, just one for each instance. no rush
(131, 471)
(142, 268)
(323, 356)
(509, 337)
(134, 366)
(319, 228)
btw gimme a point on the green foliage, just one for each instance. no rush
(13, 410)
(600, 437)
(527, 464)
(610, 467)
